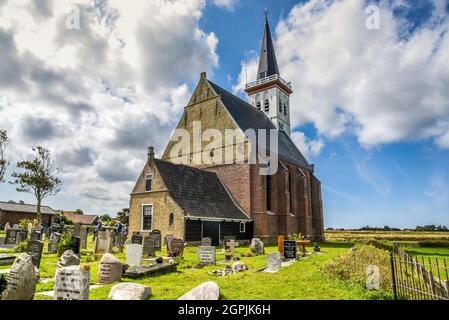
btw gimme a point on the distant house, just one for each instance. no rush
(12, 213)
(85, 219)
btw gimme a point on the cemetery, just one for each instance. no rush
(147, 267)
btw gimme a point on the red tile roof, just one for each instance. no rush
(80, 218)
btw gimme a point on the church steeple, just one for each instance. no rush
(268, 65)
(270, 93)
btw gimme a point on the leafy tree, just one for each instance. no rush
(4, 141)
(105, 218)
(123, 216)
(79, 211)
(39, 177)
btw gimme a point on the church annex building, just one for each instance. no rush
(191, 200)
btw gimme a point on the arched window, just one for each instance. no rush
(171, 219)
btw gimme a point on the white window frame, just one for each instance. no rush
(244, 227)
(152, 216)
(146, 178)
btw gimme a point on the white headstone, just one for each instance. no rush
(15, 226)
(274, 262)
(207, 291)
(7, 226)
(257, 246)
(72, 283)
(129, 291)
(133, 254)
(232, 244)
(206, 254)
(29, 228)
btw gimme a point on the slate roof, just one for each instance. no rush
(25, 208)
(199, 193)
(80, 218)
(268, 65)
(248, 117)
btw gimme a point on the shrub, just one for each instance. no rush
(295, 236)
(433, 243)
(352, 266)
(21, 247)
(67, 242)
(23, 224)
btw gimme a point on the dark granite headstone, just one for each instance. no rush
(156, 234)
(136, 239)
(36, 235)
(12, 236)
(149, 245)
(77, 245)
(34, 249)
(53, 242)
(23, 235)
(289, 249)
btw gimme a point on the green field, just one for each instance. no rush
(403, 236)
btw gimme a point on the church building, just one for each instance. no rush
(228, 195)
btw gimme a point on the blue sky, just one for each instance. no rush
(370, 108)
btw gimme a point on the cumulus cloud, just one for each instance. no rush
(310, 148)
(99, 95)
(384, 86)
(226, 4)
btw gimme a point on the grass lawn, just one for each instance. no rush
(442, 253)
(303, 280)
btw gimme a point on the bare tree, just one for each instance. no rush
(4, 141)
(39, 177)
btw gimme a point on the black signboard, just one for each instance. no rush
(149, 245)
(156, 234)
(136, 239)
(11, 236)
(34, 249)
(289, 249)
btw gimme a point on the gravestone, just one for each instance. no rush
(2, 241)
(77, 229)
(7, 226)
(133, 254)
(289, 249)
(77, 245)
(6, 259)
(274, 262)
(53, 242)
(110, 269)
(72, 283)
(156, 234)
(119, 243)
(129, 291)
(176, 247)
(206, 291)
(149, 245)
(136, 239)
(22, 235)
(227, 240)
(206, 241)
(34, 249)
(30, 229)
(281, 243)
(232, 244)
(47, 232)
(15, 226)
(12, 236)
(36, 235)
(21, 279)
(69, 258)
(257, 246)
(83, 237)
(103, 243)
(206, 255)
(167, 240)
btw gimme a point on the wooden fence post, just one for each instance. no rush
(393, 276)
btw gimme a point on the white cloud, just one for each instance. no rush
(226, 4)
(98, 96)
(310, 148)
(382, 85)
